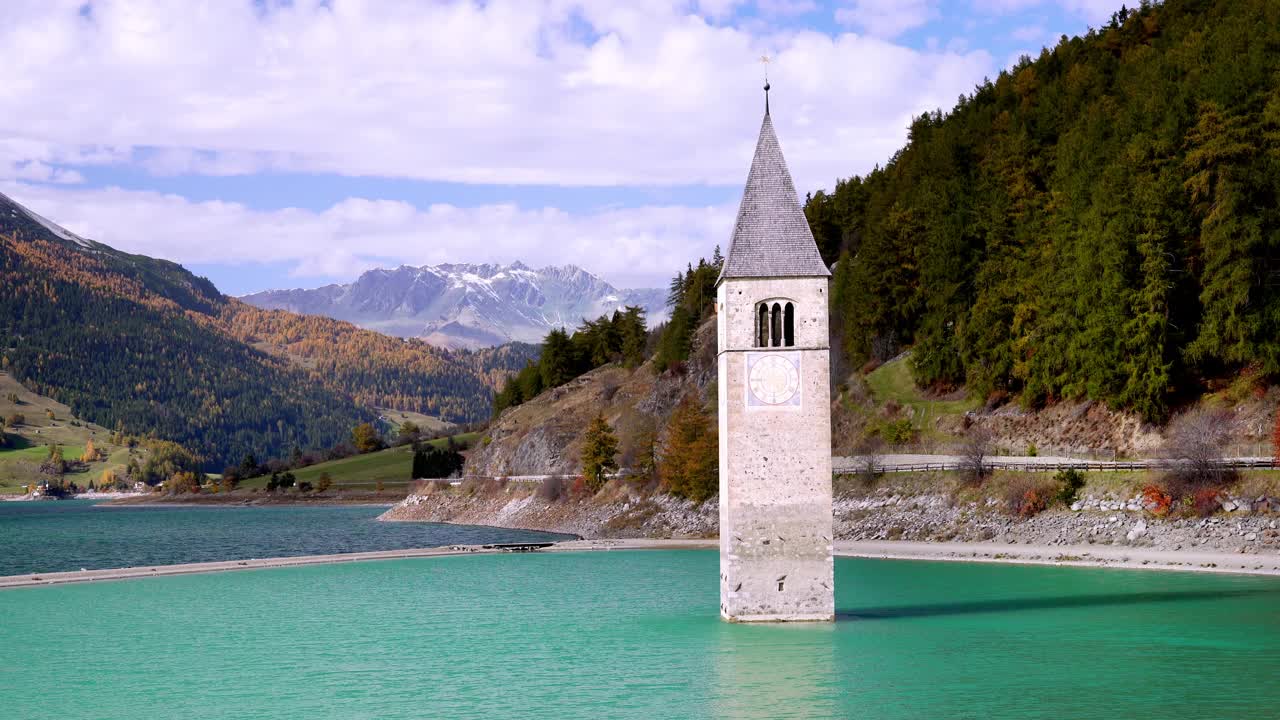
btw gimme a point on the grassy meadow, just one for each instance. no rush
(391, 467)
(47, 422)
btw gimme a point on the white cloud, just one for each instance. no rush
(630, 246)
(36, 170)
(556, 92)
(1017, 56)
(1095, 12)
(1001, 7)
(719, 9)
(783, 8)
(508, 91)
(1028, 33)
(23, 159)
(887, 18)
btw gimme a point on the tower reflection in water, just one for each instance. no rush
(785, 670)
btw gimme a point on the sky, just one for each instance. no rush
(294, 143)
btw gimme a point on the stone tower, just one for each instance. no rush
(775, 408)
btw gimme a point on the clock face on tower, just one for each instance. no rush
(773, 380)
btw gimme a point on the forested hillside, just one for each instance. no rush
(1100, 222)
(379, 370)
(139, 344)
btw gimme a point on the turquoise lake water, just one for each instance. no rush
(635, 635)
(74, 534)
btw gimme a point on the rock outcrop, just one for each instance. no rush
(543, 436)
(618, 512)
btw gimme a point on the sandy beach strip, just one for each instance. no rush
(1095, 556)
(1109, 556)
(80, 576)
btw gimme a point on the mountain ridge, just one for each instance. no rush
(144, 346)
(466, 305)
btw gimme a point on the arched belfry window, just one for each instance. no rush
(775, 324)
(762, 326)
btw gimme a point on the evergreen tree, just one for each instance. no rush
(1101, 221)
(599, 450)
(249, 466)
(673, 346)
(408, 432)
(419, 469)
(558, 362)
(634, 335)
(1220, 147)
(433, 462)
(675, 290)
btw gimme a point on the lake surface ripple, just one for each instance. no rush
(635, 634)
(52, 536)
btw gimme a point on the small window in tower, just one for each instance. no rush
(789, 325)
(775, 327)
(762, 326)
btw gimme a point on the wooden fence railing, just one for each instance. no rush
(1085, 465)
(995, 463)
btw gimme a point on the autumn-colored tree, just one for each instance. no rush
(183, 482)
(90, 453)
(690, 465)
(366, 439)
(645, 453)
(324, 482)
(164, 460)
(599, 453)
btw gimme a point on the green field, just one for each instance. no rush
(48, 421)
(38, 453)
(19, 463)
(892, 381)
(391, 467)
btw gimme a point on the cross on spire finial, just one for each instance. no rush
(765, 60)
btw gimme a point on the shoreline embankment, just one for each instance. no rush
(1128, 558)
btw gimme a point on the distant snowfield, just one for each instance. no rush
(51, 226)
(468, 305)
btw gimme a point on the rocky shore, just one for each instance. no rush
(1094, 522)
(625, 515)
(1251, 527)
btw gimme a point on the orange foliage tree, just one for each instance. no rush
(690, 465)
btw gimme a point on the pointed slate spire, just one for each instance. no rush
(772, 236)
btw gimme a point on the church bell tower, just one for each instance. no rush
(775, 408)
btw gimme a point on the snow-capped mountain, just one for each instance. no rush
(463, 305)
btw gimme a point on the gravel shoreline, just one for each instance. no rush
(1078, 556)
